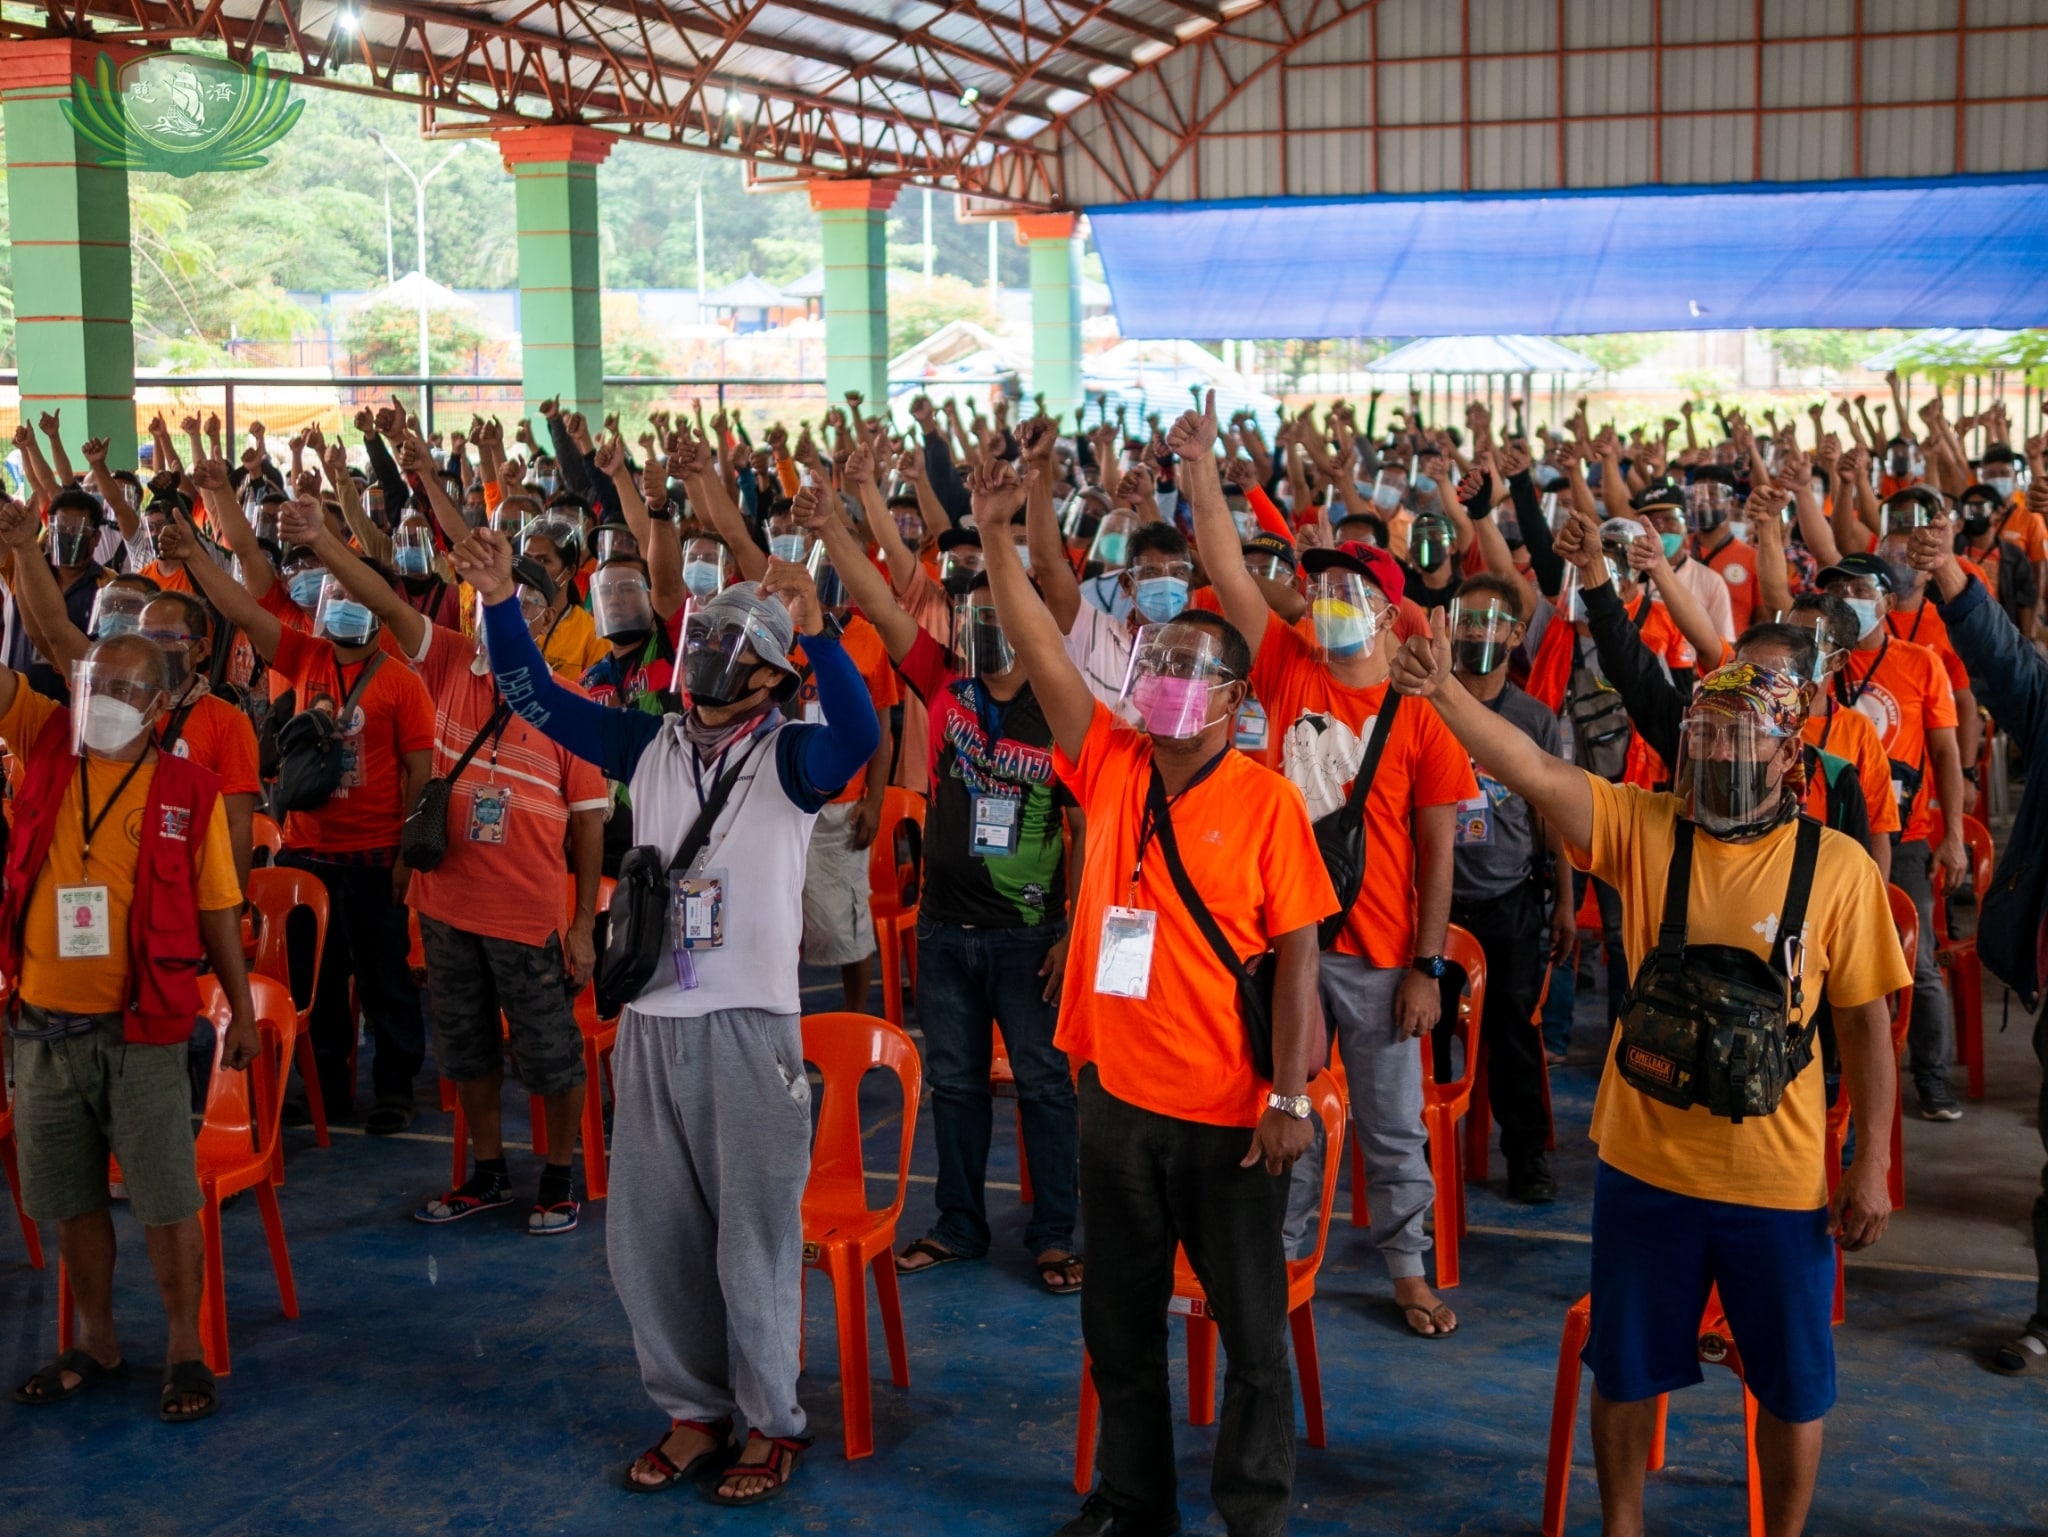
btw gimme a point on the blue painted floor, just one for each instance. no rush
(472, 1379)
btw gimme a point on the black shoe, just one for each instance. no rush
(1099, 1518)
(1938, 1100)
(389, 1117)
(1529, 1180)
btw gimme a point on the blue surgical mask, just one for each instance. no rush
(548, 483)
(701, 577)
(1421, 485)
(788, 547)
(1386, 498)
(1865, 610)
(1672, 543)
(1111, 547)
(2002, 484)
(349, 622)
(411, 560)
(305, 589)
(1160, 598)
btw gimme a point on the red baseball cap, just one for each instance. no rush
(1368, 560)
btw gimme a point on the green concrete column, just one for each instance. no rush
(855, 216)
(1055, 310)
(561, 316)
(74, 305)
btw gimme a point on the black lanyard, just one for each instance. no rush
(746, 739)
(87, 820)
(1147, 827)
(1919, 614)
(1842, 689)
(1827, 731)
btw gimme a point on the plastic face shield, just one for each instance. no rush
(340, 617)
(1270, 568)
(1430, 538)
(103, 693)
(736, 659)
(1480, 627)
(1345, 612)
(614, 541)
(1827, 658)
(1556, 511)
(619, 602)
(1730, 769)
(1174, 672)
(1111, 548)
(983, 649)
(1389, 489)
(961, 561)
(564, 533)
(1708, 503)
(116, 611)
(177, 643)
(412, 549)
(1903, 513)
(72, 537)
(706, 567)
(832, 591)
(508, 521)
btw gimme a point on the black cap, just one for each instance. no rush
(1863, 564)
(1270, 544)
(953, 538)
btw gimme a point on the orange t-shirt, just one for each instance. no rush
(1904, 692)
(218, 736)
(2024, 527)
(1924, 626)
(1244, 837)
(1320, 728)
(166, 579)
(1735, 564)
(863, 644)
(394, 717)
(1849, 735)
(98, 985)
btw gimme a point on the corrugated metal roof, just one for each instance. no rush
(1483, 355)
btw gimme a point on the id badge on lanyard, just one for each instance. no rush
(1123, 958)
(996, 826)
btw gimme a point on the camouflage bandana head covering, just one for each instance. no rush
(1774, 700)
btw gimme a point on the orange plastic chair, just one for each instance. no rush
(1479, 1118)
(843, 1236)
(1444, 1103)
(235, 1147)
(265, 838)
(275, 893)
(30, 1234)
(895, 876)
(1717, 1347)
(1961, 972)
(1192, 1303)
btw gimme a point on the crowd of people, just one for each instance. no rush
(1217, 735)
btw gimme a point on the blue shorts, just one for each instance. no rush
(1655, 1256)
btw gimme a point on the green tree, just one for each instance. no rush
(384, 339)
(632, 350)
(1837, 350)
(915, 312)
(1615, 350)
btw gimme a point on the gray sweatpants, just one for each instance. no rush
(1384, 1071)
(711, 1145)
(1931, 1039)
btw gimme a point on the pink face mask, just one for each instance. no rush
(1171, 707)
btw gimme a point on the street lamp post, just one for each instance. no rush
(419, 188)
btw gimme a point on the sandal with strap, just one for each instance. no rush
(47, 1385)
(931, 1253)
(1061, 1276)
(778, 1467)
(710, 1460)
(187, 1379)
(2020, 1357)
(1433, 1316)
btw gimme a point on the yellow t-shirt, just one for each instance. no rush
(98, 985)
(1851, 949)
(574, 646)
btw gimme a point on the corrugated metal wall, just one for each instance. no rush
(1448, 95)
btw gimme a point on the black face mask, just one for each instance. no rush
(419, 586)
(1726, 788)
(1976, 523)
(704, 677)
(959, 583)
(1478, 657)
(631, 640)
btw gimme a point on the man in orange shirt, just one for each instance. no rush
(1327, 708)
(1709, 504)
(1184, 1141)
(119, 883)
(1905, 691)
(351, 840)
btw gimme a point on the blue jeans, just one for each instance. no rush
(1560, 1004)
(966, 978)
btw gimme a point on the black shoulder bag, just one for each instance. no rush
(1710, 1024)
(310, 745)
(1254, 978)
(1340, 834)
(632, 935)
(423, 843)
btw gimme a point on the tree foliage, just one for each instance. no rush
(915, 312)
(385, 339)
(1837, 350)
(1615, 350)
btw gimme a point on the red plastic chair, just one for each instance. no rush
(1961, 972)
(265, 838)
(30, 1234)
(275, 893)
(895, 875)
(1717, 1347)
(843, 1236)
(1479, 1118)
(1444, 1103)
(1192, 1304)
(235, 1147)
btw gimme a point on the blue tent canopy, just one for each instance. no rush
(1960, 251)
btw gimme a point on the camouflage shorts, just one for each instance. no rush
(472, 979)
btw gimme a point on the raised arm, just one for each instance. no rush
(870, 589)
(1056, 583)
(36, 591)
(709, 496)
(179, 541)
(1700, 631)
(1034, 634)
(1192, 437)
(1773, 574)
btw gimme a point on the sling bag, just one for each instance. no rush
(631, 936)
(310, 747)
(423, 843)
(1340, 834)
(1709, 1024)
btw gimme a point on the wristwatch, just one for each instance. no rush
(1429, 965)
(1297, 1105)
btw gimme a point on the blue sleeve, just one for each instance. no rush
(750, 493)
(569, 464)
(2013, 676)
(817, 762)
(611, 739)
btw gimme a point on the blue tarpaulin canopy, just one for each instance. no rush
(1963, 251)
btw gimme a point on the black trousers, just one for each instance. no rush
(367, 941)
(2040, 1320)
(1149, 1182)
(1513, 936)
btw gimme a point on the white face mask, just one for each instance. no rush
(110, 724)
